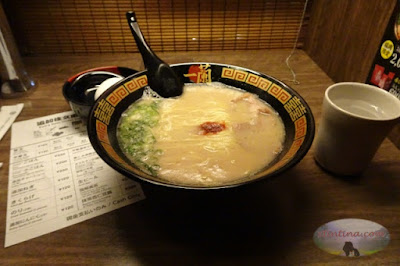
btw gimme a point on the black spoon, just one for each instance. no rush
(161, 78)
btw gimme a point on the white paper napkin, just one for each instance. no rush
(8, 114)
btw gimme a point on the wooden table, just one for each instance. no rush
(267, 223)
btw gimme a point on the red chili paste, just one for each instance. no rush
(211, 127)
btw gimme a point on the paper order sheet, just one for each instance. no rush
(56, 179)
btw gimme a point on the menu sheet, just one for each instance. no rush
(56, 178)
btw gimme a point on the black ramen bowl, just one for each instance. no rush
(294, 111)
(79, 91)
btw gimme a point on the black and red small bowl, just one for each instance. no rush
(79, 90)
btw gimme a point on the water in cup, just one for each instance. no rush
(361, 108)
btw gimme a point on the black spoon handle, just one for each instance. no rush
(161, 77)
(150, 59)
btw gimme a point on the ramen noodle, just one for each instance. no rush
(211, 135)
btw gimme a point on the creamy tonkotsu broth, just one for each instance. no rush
(211, 135)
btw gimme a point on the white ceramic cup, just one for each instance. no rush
(356, 118)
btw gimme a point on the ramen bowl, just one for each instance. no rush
(295, 113)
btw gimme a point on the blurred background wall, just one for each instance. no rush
(341, 36)
(99, 26)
